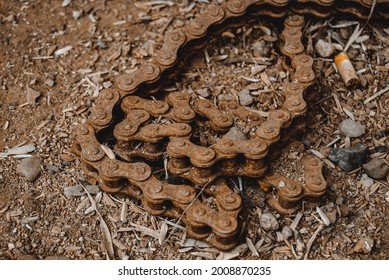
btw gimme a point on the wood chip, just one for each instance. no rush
(146, 230)
(118, 244)
(374, 96)
(124, 212)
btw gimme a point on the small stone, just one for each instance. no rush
(30, 168)
(49, 82)
(366, 181)
(245, 98)
(339, 200)
(324, 48)
(376, 168)
(76, 14)
(235, 134)
(364, 245)
(204, 92)
(261, 49)
(287, 232)
(358, 95)
(351, 128)
(32, 95)
(107, 84)
(349, 159)
(268, 222)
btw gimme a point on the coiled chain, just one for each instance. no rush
(126, 113)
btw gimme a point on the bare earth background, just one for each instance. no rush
(55, 59)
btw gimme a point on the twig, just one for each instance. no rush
(312, 239)
(374, 96)
(104, 227)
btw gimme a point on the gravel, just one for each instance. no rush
(269, 222)
(245, 98)
(377, 168)
(349, 158)
(235, 134)
(324, 48)
(30, 168)
(351, 128)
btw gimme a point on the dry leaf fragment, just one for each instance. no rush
(233, 253)
(63, 50)
(162, 233)
(108, 151)
(105, 233)
(252, 247)
(296, 220)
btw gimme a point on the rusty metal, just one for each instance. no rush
(126, 113)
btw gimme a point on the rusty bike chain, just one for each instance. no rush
(139, 135)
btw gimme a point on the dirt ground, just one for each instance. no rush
(66, 54)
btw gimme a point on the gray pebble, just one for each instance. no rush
(49, 82)
(366, 181)
(376, 168)
(324, 48)
(30, 168)
(76, 14)
(235, 134)
(287, 232)
(351, 128)
(261, 49)
(349, 158)
(268, 222)
(245, 98)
